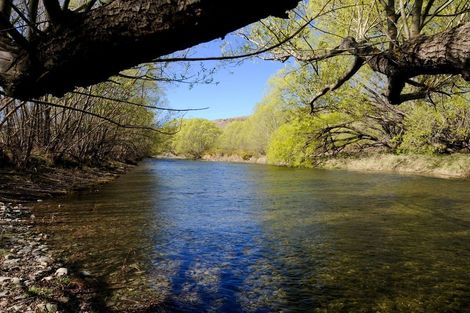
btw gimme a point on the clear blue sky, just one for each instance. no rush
(240, 87)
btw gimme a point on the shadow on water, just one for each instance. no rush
(183, 236)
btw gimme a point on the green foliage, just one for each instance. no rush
(288, 144)
(233, 138)
(444, 128)
(355, 118)
(298, 142)
(261, 125)
(195, 137)
(370, 122)
(251, 136)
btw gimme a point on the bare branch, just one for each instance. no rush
(416, 18)
(137, 104)
(33, 15)
(53, 9)
(101, 117)
(358, 62)
(66, 4)
(14, 33)
(241, 56)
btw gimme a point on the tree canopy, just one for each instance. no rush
(420, 47)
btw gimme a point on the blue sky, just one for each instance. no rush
(240, 87)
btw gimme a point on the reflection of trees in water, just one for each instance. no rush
(301, 240)
(368, 252)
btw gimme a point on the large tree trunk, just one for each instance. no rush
(87, 48)
(443, 53)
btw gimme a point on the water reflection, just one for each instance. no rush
(221, 237)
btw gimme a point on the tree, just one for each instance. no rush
(233, 138)
(195, 137)
(419, 46)
(80, 128)
(87, 43)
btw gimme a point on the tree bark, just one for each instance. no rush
(81, 49)
(443, 53)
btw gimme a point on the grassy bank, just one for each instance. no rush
(236, 159)
(444, 166)
(232, 158)
(447, 166)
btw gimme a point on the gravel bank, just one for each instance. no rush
(32, 279)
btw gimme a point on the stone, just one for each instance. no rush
(51, 307)
(10, 263)
(16, 281)
(41, 307)
(61, 272)
(44, 260)
(85, 273)
(35, 275)
(4, 279)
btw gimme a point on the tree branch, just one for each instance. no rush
(358, 62)
(53, 9)
(137, 104)
(89, 48)
(33, 16)
(101, 117)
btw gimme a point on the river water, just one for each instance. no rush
(191, 236)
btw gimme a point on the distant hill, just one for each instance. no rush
(224, 121)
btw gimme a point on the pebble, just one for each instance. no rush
(51, 307)
(61, 272)
(41, 307)
(10, 263)
(9, 257)
(47, 278)
(16, 281)
(85, 273)
(44, 260)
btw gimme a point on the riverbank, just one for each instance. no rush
(455, 166)
(49, 182)
(236, 159)
(32, 278)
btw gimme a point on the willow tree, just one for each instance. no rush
(85, 43)
(419, 46)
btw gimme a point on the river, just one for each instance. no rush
(195, 236)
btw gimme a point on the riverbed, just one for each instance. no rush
(192, 236)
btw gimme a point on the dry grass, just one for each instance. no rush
(449, 166)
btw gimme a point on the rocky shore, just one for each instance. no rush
(32, 278)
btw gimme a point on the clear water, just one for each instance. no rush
(217, 237)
